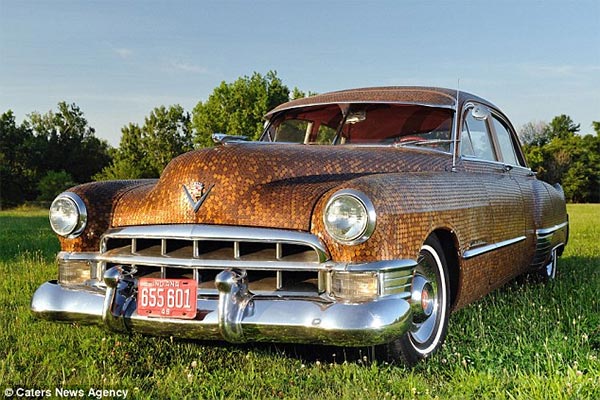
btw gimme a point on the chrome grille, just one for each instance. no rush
(275, 260)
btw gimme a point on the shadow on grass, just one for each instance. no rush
(571, 271)
(306, 353)
(578, 278)
(309, 353)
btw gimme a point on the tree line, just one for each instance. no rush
(47, 153)
(557, 153)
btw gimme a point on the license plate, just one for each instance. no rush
(167, 298)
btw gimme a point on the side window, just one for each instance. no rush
(506, 144)
(475, 139)
(325, 135)
(291, 130)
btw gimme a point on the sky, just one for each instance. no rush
(117, 60)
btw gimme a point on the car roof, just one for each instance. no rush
(422, 95)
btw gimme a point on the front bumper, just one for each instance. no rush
(236, 315)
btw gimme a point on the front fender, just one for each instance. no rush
(100, 199)
(409, 207)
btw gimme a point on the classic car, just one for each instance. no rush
(361, 217)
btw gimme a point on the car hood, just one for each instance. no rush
(263, 185)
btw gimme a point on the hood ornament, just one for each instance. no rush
(196, 194)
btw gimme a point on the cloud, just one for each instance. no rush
(187, 67)
(123, 52)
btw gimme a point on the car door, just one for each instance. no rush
(543, 214)
(487, 149)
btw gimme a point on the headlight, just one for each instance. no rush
(349, 217)
(68, 215)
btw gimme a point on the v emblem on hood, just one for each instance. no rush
(197, 194)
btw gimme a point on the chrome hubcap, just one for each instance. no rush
(427, 300)
(423, 298)
(425, 303)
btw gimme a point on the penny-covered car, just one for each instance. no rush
(361, 217)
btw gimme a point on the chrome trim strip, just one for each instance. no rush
(398, 282)
(490, 247)
(186, 263)
(83, 256)
(376, 266)
(218, 232)
(494, 163)
(543, 249)
(547, 231)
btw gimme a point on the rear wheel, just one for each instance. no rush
(548, 272)
(430, 305)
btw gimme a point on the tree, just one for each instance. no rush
(64, 141)
(238, 108)
(567, 158)
(42, 145)
(53, 183)
(299, 94)
(128, 160)
(563, 127)
(596, 126)
(145, 151)
(166, 133)
(534, 133)
(17, 177)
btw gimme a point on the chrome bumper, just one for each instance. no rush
(236, 315)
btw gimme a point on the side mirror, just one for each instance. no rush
(480, 113)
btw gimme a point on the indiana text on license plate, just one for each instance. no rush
(170, 298)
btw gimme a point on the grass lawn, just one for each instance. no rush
(524, 341)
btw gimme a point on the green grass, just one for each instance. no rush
(524, 341)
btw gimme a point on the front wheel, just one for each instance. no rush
(430, 304)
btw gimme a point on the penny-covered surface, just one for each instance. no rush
(286, 186)
(409, 94)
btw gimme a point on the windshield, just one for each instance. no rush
(392, 124)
